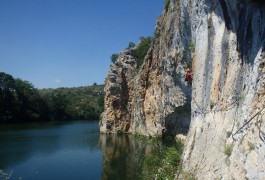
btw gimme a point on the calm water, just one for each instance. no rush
(51, 151)
(73, 150)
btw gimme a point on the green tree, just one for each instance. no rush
(140, 52)
(167, 3)
(74, 103)
(8, 98)
(58, 104)
(30, 103)
(32, 106)
(114, 58)
(131, 45)
(19, 101)
(88, 112)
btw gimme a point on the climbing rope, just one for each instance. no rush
(258, 113)
(248, 122)
(204, 111)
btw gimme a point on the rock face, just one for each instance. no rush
(118, 88)
(225, 42)
(226, 136)
(148, 100)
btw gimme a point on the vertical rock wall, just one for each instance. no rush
(225, 42)
(118, 101)
(226, 136)
(156, 103)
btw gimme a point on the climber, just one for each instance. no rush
(180, 71)
(188, 78)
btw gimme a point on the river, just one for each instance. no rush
(70, 150)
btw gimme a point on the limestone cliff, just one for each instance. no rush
(149, 100)
(226, 137)
(225, 42)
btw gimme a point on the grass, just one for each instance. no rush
(240, 98)
(188, 176)
(191, 47)
(163, 162)
(228, 134)
(251, 146)
(228, 149)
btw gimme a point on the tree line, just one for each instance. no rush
(21, 102)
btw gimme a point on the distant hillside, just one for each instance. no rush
(74, 103)
(21, 102)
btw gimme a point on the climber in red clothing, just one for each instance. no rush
(188, 77)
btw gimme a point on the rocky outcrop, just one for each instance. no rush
(225, 42)
(119, 86)
(119, 83)
(151, 100)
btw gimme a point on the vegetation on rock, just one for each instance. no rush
(163, 163)
(251, 146)
(228, 150)
(131, 45)
(167, 5)
(141, 50)
(114, 57)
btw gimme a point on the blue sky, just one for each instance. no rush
(68, 43)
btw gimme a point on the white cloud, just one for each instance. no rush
(58, 81)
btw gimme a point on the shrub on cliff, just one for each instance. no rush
(167, 5)
(141, 50)
(131, 45)
(114, 58)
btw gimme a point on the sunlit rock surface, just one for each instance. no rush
(149, 100)
(224, 40)
(228, 89)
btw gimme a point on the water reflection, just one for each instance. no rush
(74, 151)
(21, 142)
(122, 155)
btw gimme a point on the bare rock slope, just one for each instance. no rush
(223, 42)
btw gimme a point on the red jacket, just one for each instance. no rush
(188, 76)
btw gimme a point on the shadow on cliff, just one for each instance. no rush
(181, 121)
(248, 25)
(178, 122)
